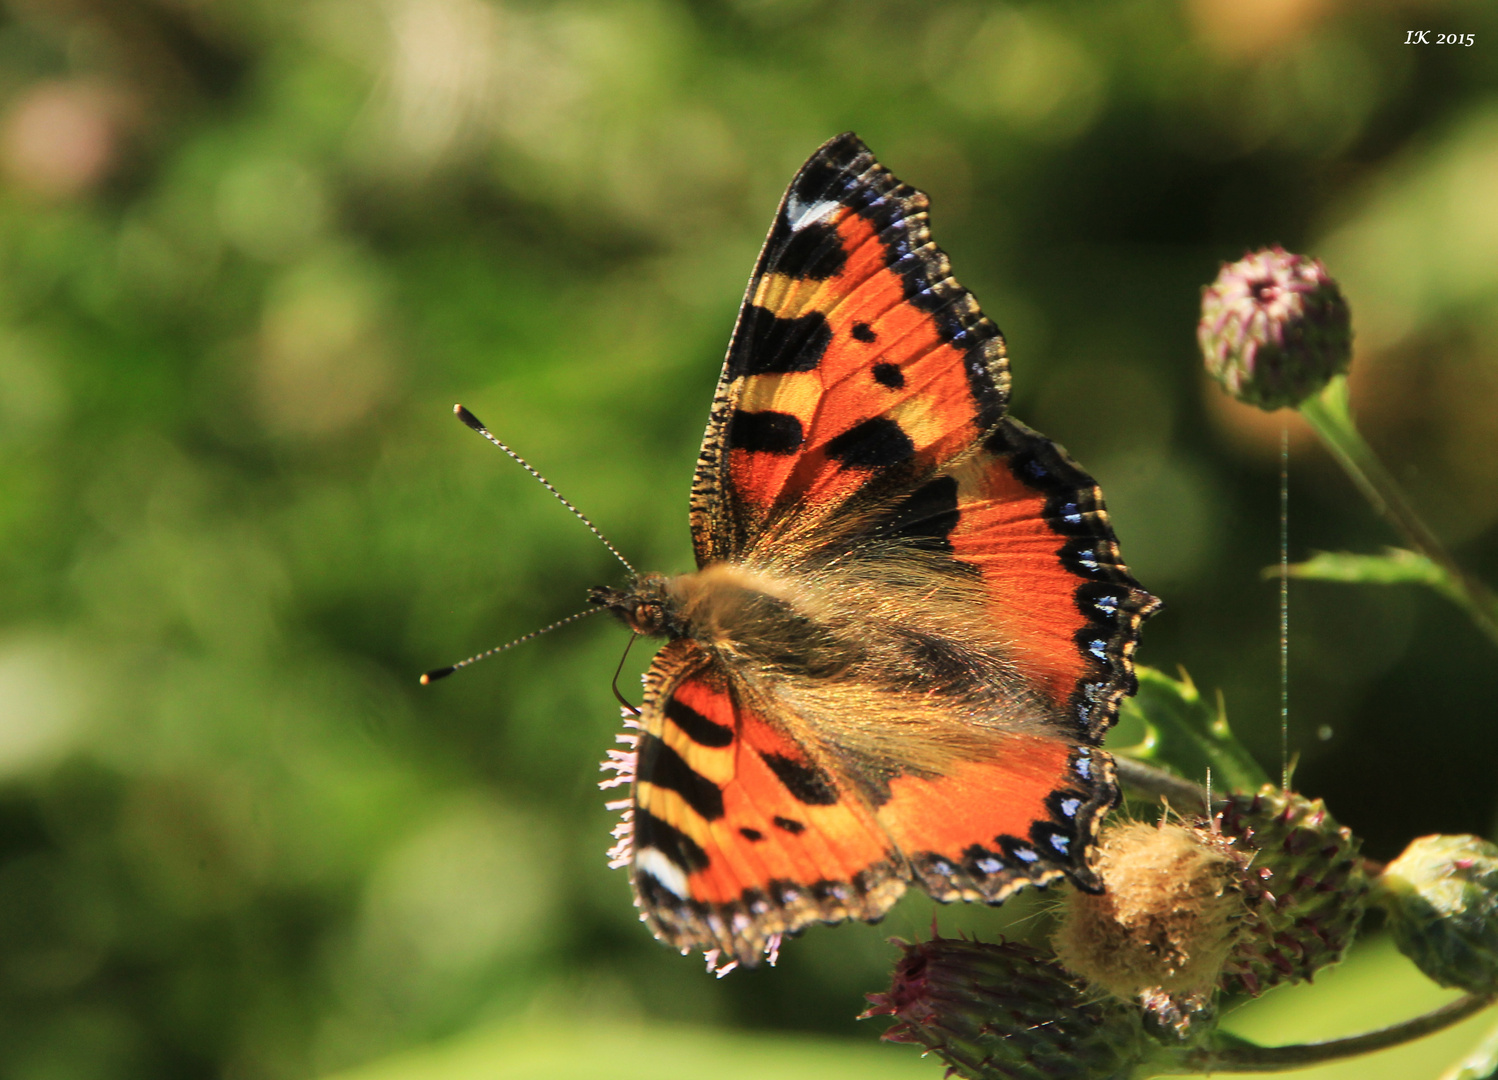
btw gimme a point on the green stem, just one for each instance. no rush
(1330, 414)
(1244, 1057)
(1182, 795)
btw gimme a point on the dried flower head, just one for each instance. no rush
(1442, 898)
(1274, 328)
(1166, 923)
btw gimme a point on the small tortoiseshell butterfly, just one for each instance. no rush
(909, 626)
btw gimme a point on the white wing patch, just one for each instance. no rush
(650, 861)
(798, 214)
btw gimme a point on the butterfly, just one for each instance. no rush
(909, 626)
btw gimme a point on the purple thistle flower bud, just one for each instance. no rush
(1007, 1012)
(1442, 900)
(1305, 888)
(1274, 328)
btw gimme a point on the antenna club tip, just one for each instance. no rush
(439, 673)
(468, 418)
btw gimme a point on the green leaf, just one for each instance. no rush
(1173, 727)
(1396, 566)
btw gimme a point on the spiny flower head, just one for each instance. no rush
(1269, 890)
(1274, 328)
(1007, 1012)
(1305, 888)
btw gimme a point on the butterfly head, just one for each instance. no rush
(646, 607)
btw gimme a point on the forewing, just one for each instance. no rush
(858, 364)
(738, 834)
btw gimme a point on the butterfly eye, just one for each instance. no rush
(649, 619)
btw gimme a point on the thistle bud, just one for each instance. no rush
(1304, 889)
(1274, 328)
(1442, 900)
(1006, 1012)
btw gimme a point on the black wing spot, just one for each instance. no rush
(865, 333)
(1065, 804)
(813, 252)
(809, 784)
(873, 444)
(695, 726)
(825, 174)
(1055, 842)
(767, 432)
(752, 835)
(889, 375)
(681, 849)
(662, 767)
(766, 344)
(790, 825)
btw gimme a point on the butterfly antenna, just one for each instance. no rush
(443, 672)
(615, 684)
(477, 425)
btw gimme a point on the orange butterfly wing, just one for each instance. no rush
(858, 364)
(1020, 512)
(738, 835)
(1028, 814)
(1035, 526)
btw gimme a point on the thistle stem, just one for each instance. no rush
(1159, 784)
(1244, 1057)
(1330, 414)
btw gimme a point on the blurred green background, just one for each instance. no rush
(251, 251)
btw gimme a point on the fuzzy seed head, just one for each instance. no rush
(1274, 328)
(1166, 921)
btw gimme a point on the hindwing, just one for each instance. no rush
(748, 825)
(740, 834)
